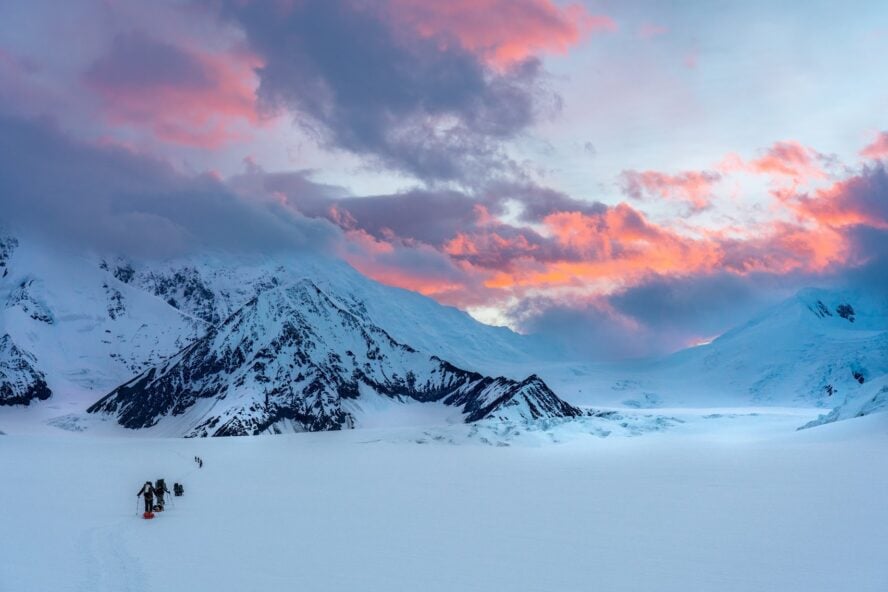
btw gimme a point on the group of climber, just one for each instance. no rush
(152, 495)
(199, 462)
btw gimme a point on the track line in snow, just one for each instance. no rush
(111, 567)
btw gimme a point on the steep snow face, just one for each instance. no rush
(213, 286)
(289, 358)
(84, 330)
(20, 381)
(811, 349)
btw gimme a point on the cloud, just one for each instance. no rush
(551, 262)
(693, 187)
(858, 200)
(503, 31)
(587, 329)
(411, 88)
(181, 95)
(790, 159)
(110, 199)
(878, 148)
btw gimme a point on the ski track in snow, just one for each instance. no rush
(110, 566)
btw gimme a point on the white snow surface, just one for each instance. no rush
(733, 500)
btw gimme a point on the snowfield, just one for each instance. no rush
(720, 499)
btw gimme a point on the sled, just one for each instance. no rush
(158, 508)
(148, 515)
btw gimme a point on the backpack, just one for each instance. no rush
(160, 486)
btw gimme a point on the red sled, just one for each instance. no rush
(148, 515)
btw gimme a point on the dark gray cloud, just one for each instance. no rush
(695, 306)
(870, 244)
(584, 330)
(657, 316)
(366, 84)
(108, 198)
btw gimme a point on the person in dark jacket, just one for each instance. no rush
(147, 493)
(160, 488)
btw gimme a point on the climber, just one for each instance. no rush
(147, 493)
(159, 489)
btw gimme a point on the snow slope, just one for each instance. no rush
(733, 509)
(81, 328)
(814, 349)
(213, 286)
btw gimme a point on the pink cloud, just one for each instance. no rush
(504, 31)
(178, 94)
(693, 187)
(790, 159)
(878, 148)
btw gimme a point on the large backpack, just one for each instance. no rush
(160, 486)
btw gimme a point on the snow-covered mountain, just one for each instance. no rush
(90, 322)
(78, 327)
(818, 348)
(291, 357)
(811, 349)
(213, 286)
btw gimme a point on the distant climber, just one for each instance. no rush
(147, 493)
(159, 489)
(178, 489)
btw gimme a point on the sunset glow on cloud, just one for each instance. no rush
(539, 163)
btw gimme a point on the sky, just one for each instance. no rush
(628, 178)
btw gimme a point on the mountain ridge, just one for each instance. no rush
(305, 354)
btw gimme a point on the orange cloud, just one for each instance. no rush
(602, 252)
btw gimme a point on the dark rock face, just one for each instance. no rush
(7, 246)
(184, 289)
(820, 309)
(23, 297)
(846, 311)
(295, 355)
(20, 381)
(116, 304)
